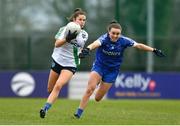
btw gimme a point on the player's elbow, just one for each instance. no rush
(59, 42)
(56, 45)
(139, 46)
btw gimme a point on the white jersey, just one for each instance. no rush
(67, 54)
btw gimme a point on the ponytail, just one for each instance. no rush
(114, 24)
(77, 12)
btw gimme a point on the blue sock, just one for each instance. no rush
(79, 112)
(47, 106)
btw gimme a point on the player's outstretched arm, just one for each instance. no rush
(157, 52)
(86, 51)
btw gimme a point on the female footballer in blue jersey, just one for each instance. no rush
(109, 56)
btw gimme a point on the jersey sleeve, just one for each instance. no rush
(102, 39)
(129, 42)
(61, 33)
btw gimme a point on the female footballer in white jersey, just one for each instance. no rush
(65, 58)
(109, 56)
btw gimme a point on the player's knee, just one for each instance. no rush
(58, 87)
(90, 90)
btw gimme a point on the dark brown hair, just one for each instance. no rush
(114, 24)
(77, 12)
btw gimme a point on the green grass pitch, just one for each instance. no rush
(25, 111)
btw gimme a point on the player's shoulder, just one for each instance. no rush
(62, 28)
(125, 37)
(60, 32)
(103, 37)
(127, 41)
(84, 33)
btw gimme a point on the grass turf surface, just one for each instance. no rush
(25, 111)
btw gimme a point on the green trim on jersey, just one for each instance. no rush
(76, 58)
(59, 32)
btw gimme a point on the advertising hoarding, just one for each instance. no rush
(143, 85)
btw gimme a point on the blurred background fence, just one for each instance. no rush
(28, 27)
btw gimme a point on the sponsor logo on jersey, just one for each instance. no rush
(110, 53)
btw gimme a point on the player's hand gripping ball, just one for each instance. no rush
(72, 30)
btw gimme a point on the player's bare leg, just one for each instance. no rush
(64, 77)
(102, 90)
(53, 76)
(92, 83)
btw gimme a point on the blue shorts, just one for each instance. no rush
(108, 75)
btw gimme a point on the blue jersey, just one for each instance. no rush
(110, 54)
